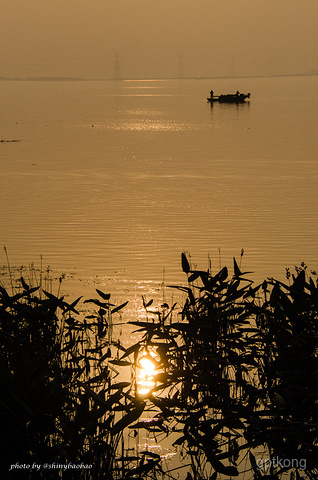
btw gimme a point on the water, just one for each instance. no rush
(111, 181)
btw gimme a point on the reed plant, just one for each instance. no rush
(237, 374)
(57, 394)
(233, 383)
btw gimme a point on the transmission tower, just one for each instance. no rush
(233, 66)
(117, 75)
(181, 74)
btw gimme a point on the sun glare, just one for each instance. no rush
(145, 381)
(147, 365)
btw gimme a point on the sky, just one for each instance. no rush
(151, 39)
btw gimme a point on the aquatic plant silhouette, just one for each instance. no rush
(57, 397)
(238, 374)
(288, 372)
(235, 379)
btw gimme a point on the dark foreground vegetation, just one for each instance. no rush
(234, 383)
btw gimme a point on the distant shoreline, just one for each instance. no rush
(79, 79)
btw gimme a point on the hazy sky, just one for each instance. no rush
(80, 38)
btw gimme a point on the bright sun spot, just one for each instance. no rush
(145, 378)
(147, 365)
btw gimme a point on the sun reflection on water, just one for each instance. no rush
(145, 378)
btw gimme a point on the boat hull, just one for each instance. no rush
(229, 98)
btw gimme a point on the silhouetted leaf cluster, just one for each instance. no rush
(235, 382)
(238, 372)
(58, 400)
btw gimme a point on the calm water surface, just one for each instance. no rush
(111, 181)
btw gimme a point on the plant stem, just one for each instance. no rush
(9, 268)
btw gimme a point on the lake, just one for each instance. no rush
(111, 181)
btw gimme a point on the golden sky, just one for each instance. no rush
(79, 38)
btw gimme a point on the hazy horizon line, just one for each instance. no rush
(131, 79)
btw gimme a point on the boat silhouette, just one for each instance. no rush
(228, 98)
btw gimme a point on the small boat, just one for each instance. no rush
(229, 97)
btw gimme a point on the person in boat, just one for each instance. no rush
(212, 93)
(237, 94)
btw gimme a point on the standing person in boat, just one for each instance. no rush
(211, 93)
